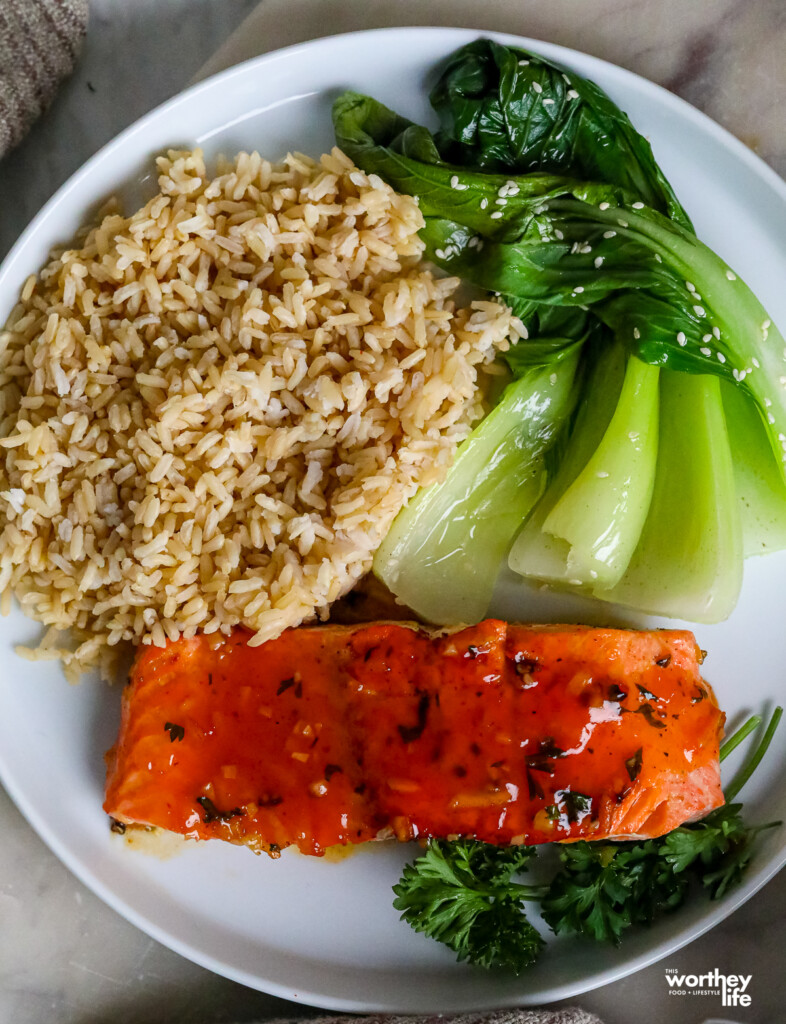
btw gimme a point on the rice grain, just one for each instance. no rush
(212, 410)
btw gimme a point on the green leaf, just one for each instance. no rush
(604, 888)
(460, 894)
(502, 108)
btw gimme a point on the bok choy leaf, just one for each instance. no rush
(586, 528)
(692, 533)
(503, 109)
(443, 552)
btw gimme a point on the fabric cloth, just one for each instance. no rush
(39, 44)
(569, 1015)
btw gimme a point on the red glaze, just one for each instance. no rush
(330, 735)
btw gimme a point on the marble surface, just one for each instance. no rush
(64, 955)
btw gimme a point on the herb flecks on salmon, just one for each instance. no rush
(339, 734)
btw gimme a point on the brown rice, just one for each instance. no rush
(211, 411)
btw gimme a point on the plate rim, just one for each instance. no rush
(452, 36)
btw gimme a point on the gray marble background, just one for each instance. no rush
(64, 956)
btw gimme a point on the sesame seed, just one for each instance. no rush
(658, 257)
(681, 337)
(699, 310)
(622, 223)
(767, 403)
(513, 189)
(473, 241)
(770, 418)
(604, 206)
(691, 287)
(579, 289)
(766, 324)
(636, 333)
(721, 357)
(706, 337)
(501, 202)
(716, 332)
(598, 262)
(523, 63)
(553, 378)
(756, 362)
(634, 435)
(440, 254)
(731, 276)
(503, 190)
(609, 234)
(558, 234)
(572, 94)
(496, 215)
(548, 101)
(454, 181)
(602, 474)
(537, 87)
(707, 352)
(638, 206)
(484, 203)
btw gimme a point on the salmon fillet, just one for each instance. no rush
(339, 734)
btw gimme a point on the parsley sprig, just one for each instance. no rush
(462, 894)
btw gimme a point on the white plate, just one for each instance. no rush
(308, 929)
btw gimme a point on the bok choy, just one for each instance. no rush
(538, 188)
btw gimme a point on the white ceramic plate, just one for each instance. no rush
(309, 929)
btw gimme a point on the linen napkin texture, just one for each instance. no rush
(570, 1015)
(40, 41)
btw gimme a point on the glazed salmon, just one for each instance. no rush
(338, 734)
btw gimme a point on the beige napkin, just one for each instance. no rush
(39, 43)
(568, 1016)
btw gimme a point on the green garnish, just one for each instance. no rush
(461, 893)
(176, 732)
